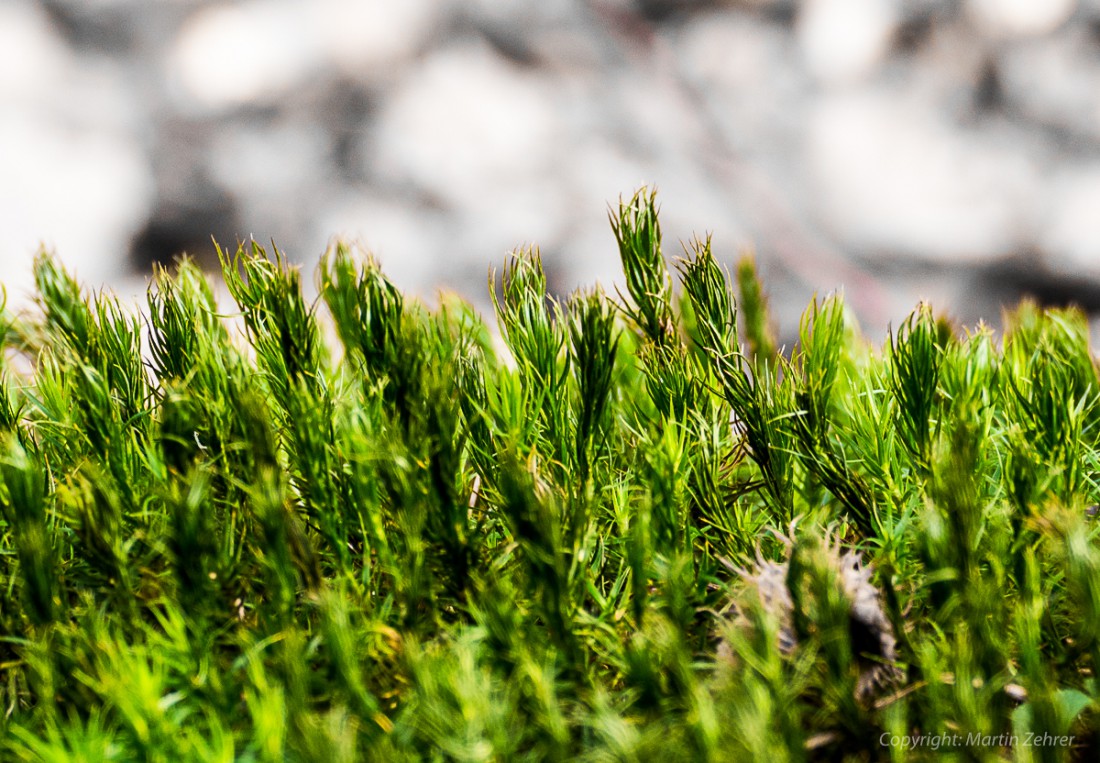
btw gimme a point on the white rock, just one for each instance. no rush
(277, 175)
(32, 59)
(408, 240)
(255, 51)
(228, 55)
(74, 174)
(529, 212)
(729, 51)
(266, 159)
(425, 249)
(79, 193)
(1070, 234)
(893, 180)
(1055, 81)
(844, 40)
(465, 122)
(365, 39)
(603, 171)
(599, 172)
(1020, 18)
(752, 119)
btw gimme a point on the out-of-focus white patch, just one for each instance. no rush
(254, 51)
(601, 172)
(895, 180)
(31, 56)
(1020, 18)
(465, 122)
(229, 55)
(268, 160)
(532, 212)
(277, 174)
(408, 243)
(724, 53)
(1071, 234)
(481, 138)
(74, 176)
(1055, 80)
(363, 38)
(80, 193)
(843, 40)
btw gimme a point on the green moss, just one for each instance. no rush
(260, 545)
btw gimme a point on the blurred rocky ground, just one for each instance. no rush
(900, 150)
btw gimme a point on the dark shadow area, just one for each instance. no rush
(173, 230)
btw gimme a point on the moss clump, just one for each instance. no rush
(404, 542)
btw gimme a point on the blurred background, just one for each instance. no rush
(947, 151)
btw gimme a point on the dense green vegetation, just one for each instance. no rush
(363, 530)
